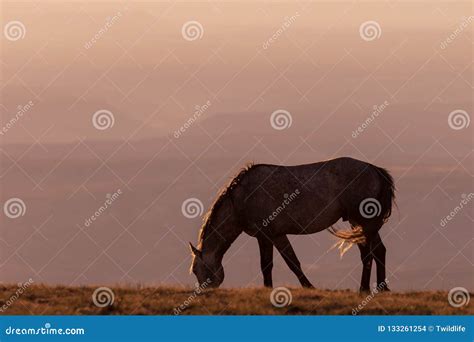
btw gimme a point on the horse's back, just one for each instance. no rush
(304, 199)
(338, 172)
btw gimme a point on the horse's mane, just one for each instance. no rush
(223, 194)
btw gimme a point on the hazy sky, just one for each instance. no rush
(166, 101)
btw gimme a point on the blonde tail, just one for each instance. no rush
(347, 238)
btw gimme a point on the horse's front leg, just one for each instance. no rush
(266, 260)
(284, 247)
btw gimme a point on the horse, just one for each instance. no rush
(269, 202)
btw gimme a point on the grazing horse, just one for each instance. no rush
(269, 202)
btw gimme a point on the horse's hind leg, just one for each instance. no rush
(379, 252)
(366, 257)
(266, 259)
(374, 249)
(284, 247)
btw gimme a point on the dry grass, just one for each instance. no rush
(60, 300)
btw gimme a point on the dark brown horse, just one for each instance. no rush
(270, 201)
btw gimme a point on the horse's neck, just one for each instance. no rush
(221, 232)
(216, 244)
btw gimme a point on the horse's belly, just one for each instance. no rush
(307, 214)
(314, 226)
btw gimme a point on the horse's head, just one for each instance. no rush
(208, 271)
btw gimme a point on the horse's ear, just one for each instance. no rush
(194, 250)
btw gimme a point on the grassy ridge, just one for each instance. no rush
(55, 300)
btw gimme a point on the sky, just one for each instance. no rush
(165, 102)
